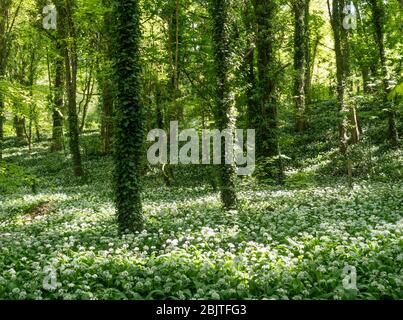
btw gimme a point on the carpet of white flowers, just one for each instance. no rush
(281, 243)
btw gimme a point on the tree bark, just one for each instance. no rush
(224, 101)
(342, 60)
(19, 123)
(58, 104)
(378, 14)
(129, 114)
(4, 7)
(266, 122)
(70, 62)
(107, 119)
(299, 7)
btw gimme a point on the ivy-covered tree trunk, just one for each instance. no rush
(378, 16)
(249, 65)
(128, 130)
(58, 93)
(67, 28)
(299, 8)
(223, 96)
(342, 60)
(266, 122)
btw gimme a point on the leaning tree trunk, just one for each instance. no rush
(128, 130)
(224, 104)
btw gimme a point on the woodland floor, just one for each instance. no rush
(291, 241)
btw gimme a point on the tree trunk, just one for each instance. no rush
(105, 83)
(249, 68)
(224, 102)
(174, 47)
(267, 129)
(266, 126)
(19, 123)
(342, 60)
(378, 13)
(309, 57)
(4, 6)
(58, 105)
(107, 119)
(70, 62)
(128, 131)
(299, 8)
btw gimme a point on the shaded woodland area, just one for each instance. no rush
(85, 215)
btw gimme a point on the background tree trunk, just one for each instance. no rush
(224, 101)
(4, 7)
(107, 119)
(19, 123)
(58, 104)
(378, 16)
(299, 8)
(342, 60)
(70, 62)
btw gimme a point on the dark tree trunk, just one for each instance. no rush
(107, 119)
(266, 124)
(378, 13)
(249, 68)
(58, 105)
(266, 135)
(128, 131)
(224, 103)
